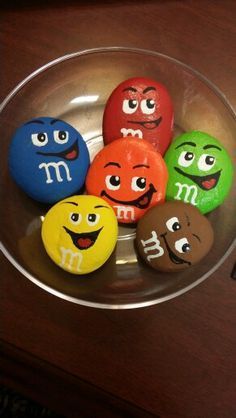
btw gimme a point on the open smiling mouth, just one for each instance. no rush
(204, 182)
(141, 202)
(84, 240)
(70, 153)
(149, 124)
(173, 257)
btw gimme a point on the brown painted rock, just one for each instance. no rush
(173, 236)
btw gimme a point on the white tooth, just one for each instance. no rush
(132, 132)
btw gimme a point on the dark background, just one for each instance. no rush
(176, 359)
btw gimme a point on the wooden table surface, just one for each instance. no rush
(176, 359)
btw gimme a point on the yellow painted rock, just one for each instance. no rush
(80, 233)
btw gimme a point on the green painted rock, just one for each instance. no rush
(200, 171)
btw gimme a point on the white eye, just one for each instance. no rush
(148, 106)
(112, 182)
(39, 139)
(75, 218)
(93, 218)
(138, 183)
(173, 224)
(182, 245)
(206, 162)
(186, 158)
(129, 106)
(61, 137)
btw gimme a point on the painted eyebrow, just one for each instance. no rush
(54, 121)
(186, 143)
(35, 121)
(196, 236)
(101, 206)
(130, 88)
(187, 217)
(71, 203)
(112, 163)
(148, 89)
(212, 146)
(141, 165)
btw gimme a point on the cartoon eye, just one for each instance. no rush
(39, 139)
(75, 218)
(61, 137)
(112, 182)
(138, 183)
(148, 106)
(206, 162)
(129, 106)
(182, 245)
(173, 224)
(186, 158)
(93, 218)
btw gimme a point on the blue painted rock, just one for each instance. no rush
(48, 159)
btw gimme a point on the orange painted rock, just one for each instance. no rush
(130, 175)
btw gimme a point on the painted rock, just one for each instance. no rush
(173, 236)
(200, 171)
(48, 159)
(130, 175)
(139, 107)
(79, 233)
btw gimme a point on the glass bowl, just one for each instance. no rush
(75, 88)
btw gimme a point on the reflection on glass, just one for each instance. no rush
(127, 261)
(84, 99)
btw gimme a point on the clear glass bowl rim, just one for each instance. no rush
(110, 49)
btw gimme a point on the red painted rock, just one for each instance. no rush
(139, 107)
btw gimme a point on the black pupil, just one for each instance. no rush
(150, 103)
(41, 137)
(92, 217)
(176, 226)
(132, 103)
(115, 180)
(141, 182)
(188, 156)
(210, 160)
(186, 248)
(75, 217)
(62, 135)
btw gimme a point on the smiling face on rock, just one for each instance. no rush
(130, 175)
(48, 159)
(80, 233)
(200, 171)
(142, 108)
(173, 236)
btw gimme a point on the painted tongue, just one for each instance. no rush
(150, 125)
(84, 242)
(144, 200)
(72, 154)
(209, 184)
